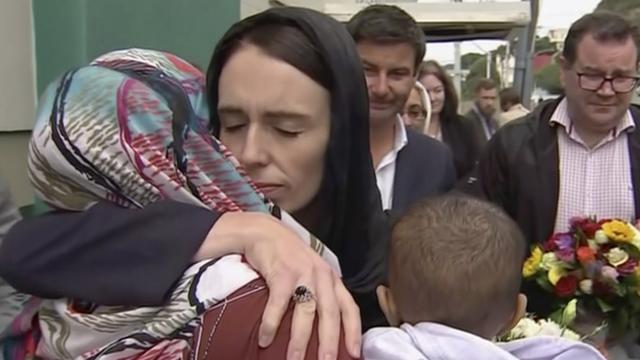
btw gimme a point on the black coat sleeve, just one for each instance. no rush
(107, 254)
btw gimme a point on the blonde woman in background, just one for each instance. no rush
(417, 110)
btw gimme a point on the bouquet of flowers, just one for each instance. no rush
(529, 327)
(595, 263)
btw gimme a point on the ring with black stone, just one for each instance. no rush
(302, 294)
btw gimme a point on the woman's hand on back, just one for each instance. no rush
(286, 262)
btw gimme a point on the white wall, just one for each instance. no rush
(17, 66)
(250, 7)
(17, 94)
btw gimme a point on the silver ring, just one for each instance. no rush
(302, 294)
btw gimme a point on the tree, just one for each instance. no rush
(543, 43)
(467, 60)
(478, 71)
(628, 8)
(548, 78)
(621, 6)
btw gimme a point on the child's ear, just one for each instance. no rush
(388, 306)
(521, 309)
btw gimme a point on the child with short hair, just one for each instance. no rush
(455, 268)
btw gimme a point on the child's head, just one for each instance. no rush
(456, 261)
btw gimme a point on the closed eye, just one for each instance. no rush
(233, 127)
(288, 133)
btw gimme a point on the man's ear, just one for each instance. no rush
(518, 313)
(388, 306)
(564, 68)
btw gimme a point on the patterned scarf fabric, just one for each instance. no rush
(132, 129)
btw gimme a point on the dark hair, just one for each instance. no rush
(604, 26)
(484, 84)
(456, 260)
(450, 107)
(286, 43)
(346, 218)
(509, 96)
(388, 24)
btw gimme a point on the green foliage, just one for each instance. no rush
(628, 8)
(621, 6)
(548, 78)
(477, 71)
(467, 60)
(543, 43)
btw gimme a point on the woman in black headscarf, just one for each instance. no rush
(344, 211)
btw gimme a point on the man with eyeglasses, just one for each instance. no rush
(578, 155)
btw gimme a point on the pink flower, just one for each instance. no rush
(609, 273)
(566, 255)
(628, 267)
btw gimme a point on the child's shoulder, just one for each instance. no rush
(390, 343)
(551, 347)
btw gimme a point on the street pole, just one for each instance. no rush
(488, 64)
(457, 69)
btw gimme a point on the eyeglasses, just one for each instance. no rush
(415, 113)
(619, 84)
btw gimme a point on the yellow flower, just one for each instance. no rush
(530, 267)
(618, 231)
(555, 274)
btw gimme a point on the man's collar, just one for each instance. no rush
(561, 117)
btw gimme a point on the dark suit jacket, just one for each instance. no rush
(519, 170)
(107, 244)
(424, 167)
(460, 135)
(476, 122)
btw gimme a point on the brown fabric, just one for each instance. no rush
(230, 330)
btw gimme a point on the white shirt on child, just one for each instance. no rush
(432, 341)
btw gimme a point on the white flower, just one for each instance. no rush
(617, 256)
(550, 260)
(586, 286)
(526, 327)
(549, 328)
(600, 237)
(568, 334)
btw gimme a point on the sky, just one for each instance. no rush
(553, 14)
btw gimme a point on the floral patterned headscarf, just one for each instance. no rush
(132, 128)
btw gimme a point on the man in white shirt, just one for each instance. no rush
(409, 165)
(578, 155)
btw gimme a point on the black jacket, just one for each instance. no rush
(460, 135)
(476, 123)
(424, 167)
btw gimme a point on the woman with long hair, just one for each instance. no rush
(445, 124)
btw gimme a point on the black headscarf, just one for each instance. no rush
(357, 230)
